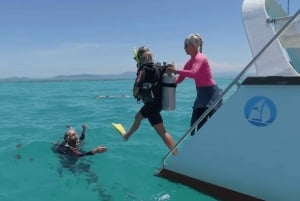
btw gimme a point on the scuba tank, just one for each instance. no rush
(168, 91)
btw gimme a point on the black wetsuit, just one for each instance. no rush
(151, 109)
(69, 156)
(64, 148)
(71, 160)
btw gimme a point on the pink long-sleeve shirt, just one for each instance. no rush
(197, 68)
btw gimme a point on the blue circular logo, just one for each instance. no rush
(260, 111)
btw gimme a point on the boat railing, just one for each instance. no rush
(236, 82)
(274, 20)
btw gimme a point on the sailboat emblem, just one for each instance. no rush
(260, 111)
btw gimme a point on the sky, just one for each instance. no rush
(45, 38)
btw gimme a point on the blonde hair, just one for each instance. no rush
(195, 40)
(144, 55)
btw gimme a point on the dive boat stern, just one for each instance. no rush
(248, 150)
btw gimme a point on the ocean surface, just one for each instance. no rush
(34, 115)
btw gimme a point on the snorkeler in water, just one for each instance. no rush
(113, 96)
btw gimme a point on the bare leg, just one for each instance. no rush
(135, 126)
(166, 137)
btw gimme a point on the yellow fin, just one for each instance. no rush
(119, 128)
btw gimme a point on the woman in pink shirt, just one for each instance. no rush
(198, 68)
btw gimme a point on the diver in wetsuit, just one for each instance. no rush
(69, 152)
(71, 144)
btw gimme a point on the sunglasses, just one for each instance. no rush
(187, 44)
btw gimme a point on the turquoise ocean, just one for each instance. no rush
(34, 115)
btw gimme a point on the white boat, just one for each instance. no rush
(249, 149)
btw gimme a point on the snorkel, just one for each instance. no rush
(136, 57)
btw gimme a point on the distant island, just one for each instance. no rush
(125, 75)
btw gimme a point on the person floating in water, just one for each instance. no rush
(72, 157)
(71, 145)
